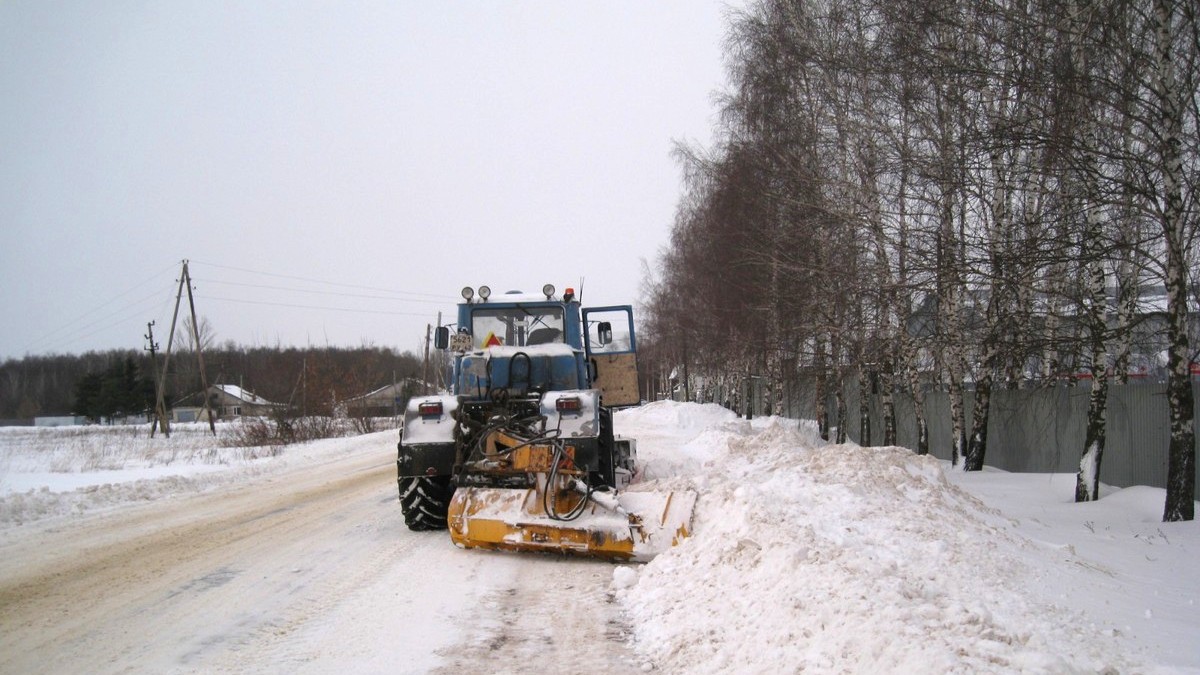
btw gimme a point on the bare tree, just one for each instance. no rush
(939, 194)
(1176, 31)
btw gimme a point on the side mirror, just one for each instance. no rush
(441, 337)
(604, 332)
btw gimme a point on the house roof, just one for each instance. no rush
(232, 394)
(241, 394)
(388, 392)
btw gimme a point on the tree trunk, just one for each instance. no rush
(1181, 453)
(958, 419)
(950, 315)
(822, 393)
(840, 400)
(864, 407)
(888, 403)
(977, 447)
(1087, 481)
(1127, 297)
(917, 392)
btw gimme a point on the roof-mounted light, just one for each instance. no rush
(485, 292)
(548, 291)
(569, 295)
(468, 293)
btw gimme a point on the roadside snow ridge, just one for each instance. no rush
(838, 559)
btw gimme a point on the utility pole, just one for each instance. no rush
(162, 383)
(425, 367)
(199, 351)
(160, 407)
(186, 279)
(212, 425)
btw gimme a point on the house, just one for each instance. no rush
(60, 421)
(387, 401)
(226, 401)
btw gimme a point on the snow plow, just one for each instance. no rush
(521, 455)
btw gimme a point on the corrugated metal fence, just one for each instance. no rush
(1034, 430)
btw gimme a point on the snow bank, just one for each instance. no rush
(674, 439)
(836, 559)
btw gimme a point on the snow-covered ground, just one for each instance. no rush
(805, 556)
(57, 471)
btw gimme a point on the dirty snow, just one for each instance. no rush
(805, 556)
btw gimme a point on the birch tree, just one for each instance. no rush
(1175, 98)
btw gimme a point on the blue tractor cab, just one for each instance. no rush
(523, 343)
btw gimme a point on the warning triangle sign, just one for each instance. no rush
(492, 341)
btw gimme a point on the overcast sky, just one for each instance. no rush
(336, 172)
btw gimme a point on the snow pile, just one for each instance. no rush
(675, 439)
(839, 559)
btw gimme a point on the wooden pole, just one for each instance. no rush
(162, 385)
(212, 424)
(425, 366)
(160, 407)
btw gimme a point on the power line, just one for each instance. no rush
(310, 291)
(328, 283)
(372, 311)
(108, 322)
(80, 317)
(79, 329)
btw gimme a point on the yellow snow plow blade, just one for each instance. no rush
(630, 526)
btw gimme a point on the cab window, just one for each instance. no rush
(518, 326)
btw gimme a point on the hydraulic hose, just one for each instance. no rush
(552, 480)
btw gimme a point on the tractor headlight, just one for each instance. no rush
(485, 292)
(468, 293)
(548, 291)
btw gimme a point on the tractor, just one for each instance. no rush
(521, 454)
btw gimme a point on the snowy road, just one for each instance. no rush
(306, 571)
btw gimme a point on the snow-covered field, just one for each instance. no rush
(805, 557)
(49, 472)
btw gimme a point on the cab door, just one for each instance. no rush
(610, 346)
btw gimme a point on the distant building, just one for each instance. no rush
(79, 420)
(59, 421)
(226, 401)
(383, 402)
